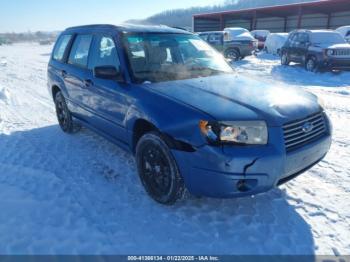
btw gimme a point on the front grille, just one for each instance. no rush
(301, 132)
(342, 52)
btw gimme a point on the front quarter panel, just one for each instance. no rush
(169, 116)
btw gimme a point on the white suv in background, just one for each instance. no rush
(345, 32)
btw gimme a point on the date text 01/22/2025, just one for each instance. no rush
(173, 258)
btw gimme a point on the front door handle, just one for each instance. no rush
(88, 83)
(63, 73)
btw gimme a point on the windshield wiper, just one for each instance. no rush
(203, 68)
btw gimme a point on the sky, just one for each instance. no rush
(49, 15)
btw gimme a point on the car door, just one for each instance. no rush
(75, 74)
(292, 50)
(108, 99)
(301, 47)
(216, 40)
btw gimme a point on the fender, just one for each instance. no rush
(178, 122)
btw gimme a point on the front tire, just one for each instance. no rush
(64, 116)
(158, 170)
(285, 59)
(311, 64)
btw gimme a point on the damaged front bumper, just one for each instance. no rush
(236, 171)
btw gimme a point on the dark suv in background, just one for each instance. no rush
(316, 49)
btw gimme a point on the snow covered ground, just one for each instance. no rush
(63, 194)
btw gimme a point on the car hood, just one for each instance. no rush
(235, 97)
(335, 46)
(243, 36)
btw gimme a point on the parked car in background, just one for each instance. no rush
(274, 42)
(234, 43)
(214, 38)
(238, 43)
(45, 42)
(316, 49)
(175, 103)
(345, 32)
(261, 36)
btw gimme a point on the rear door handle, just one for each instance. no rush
(88, 83)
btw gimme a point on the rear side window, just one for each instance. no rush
(61, 46)
(215, 38)
(80, 51)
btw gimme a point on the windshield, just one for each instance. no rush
(330, 38)
(157, 57)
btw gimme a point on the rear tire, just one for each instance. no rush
(158, 170)
(232, 54)
(64, 116)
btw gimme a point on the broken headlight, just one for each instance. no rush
(235, 132)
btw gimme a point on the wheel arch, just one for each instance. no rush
(54, 90)
(232, 48)
(310, 55)
(143, 126)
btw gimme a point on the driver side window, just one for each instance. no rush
(303, 39)
(294, 40)
(104, 53)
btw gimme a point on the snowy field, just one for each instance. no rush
(79, 194)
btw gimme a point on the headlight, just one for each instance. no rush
(330, 52)
(237, 132)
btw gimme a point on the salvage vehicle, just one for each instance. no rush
(261, 36)
(215, 39)
(316, 50)
(238, 43)
(235, 43)
(274, 43)
(175, 103)
(345, 32)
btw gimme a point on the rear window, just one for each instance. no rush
(80, 51)
(60, 47)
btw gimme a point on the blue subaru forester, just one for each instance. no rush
(176, 104)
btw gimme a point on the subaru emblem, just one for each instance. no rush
(307, 127)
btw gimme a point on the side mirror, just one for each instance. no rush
(108, 72)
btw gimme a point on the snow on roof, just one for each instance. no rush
(128, 28)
